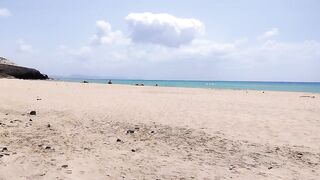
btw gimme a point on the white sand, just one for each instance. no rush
(183, 133)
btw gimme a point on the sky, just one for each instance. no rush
(243, 40)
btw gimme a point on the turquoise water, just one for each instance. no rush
(313, 87)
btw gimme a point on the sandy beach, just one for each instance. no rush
(100, 131)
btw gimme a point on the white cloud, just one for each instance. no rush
(24, 47)
(4, 12)
(193, 59)
(269, 34)
(163, 29)
(106, 36)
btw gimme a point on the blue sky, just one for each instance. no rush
(274, 40)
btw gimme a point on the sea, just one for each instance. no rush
(310, 87)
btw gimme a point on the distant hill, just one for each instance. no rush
(9, 69)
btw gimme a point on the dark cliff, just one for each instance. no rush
(12, 71)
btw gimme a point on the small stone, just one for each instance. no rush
(38, 99)
(48, 147)
(277, 149)
(7, 114)
(30, 119)
(85, 82)
(64, 166)
(152, 132)
(118, 140)
(130, 131)
(231, 167)
(270, 167)
(133, 150)
(48, 125)
(33, 112)
(299, 155)
(1, 155)
(4, 149)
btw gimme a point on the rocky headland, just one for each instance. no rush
(9, 69)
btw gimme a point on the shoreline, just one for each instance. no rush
(103, 131)
(195, 87)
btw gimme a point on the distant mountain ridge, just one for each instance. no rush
(9, 69)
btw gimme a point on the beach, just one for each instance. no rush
(100, 131)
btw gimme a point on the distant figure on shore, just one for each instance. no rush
(156, 84)
(85, 82)
(109, 82)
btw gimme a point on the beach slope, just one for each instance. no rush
(99, 131)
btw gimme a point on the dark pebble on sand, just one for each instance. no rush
(33, 112)
(4, 149)
(39, 99)
(152, 132)
(1, 155)
(130, 131)
(48, 125)
(231, 167)
(64, 166)
(7, 114)
(299, 155)
(270, 167)
(133, 150)
(118, 140)
(48, 147)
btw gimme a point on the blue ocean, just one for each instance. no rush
(312, 87)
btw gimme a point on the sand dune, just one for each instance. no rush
(96, 131)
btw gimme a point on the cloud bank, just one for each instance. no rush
(106, 36)
(162, 46)
(163, 29)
